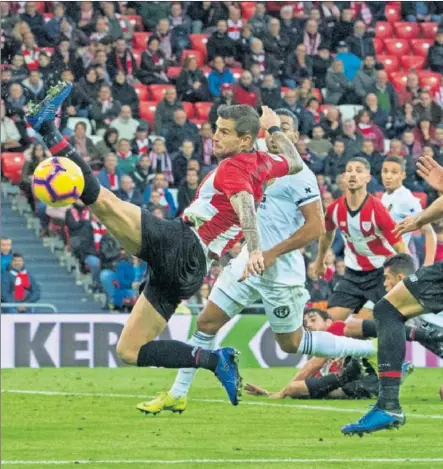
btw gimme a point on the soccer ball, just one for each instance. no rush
(58, 182)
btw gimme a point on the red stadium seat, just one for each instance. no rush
(189, 109)
(40, 7)
(198, 42)
(398, 79)
(136, 22)
(147, 111)
(317, 94)
(174, 72)
(248, 9)
(137, 53)
(397, 47)
(12, 164)
(412, 61)
(429, 80)
(393, 12)
(421, 46)
(191, 52)
(390, 63)
(422, 197)
(406, 30)
(157, 92)
(202, 110)
(140, 40)
(429, 30)
(383, 30)
(378, 45)
(142, 92)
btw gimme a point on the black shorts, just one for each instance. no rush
(176, 262)
(363, 388)
(356, 288)
(426, 286)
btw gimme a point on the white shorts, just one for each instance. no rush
(284, 304)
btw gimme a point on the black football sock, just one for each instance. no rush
(176, 354)
(391, 353)
(319, 387)
(58, 146)
(412, 333)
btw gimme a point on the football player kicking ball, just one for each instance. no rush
(410, 298)
(289, 217)
(179, 252)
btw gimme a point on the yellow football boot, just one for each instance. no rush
(164, 401)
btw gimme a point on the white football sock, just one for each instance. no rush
(185, 376)
(325, 344)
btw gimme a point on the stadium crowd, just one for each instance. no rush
(149, 77)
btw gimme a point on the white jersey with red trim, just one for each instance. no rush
(367, 232)
(211, 212)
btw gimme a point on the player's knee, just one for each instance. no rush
(126, 354)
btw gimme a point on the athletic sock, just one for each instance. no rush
(185, 376)
(176, 354)
(369, 329)
(325, 344)
(58, 146)
(391, 354)
(319, 387)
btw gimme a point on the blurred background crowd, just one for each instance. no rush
(364, 79)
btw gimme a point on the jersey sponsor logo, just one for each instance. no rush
(282, 312)
(366, 225)
(413, 278)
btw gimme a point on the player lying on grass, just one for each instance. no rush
(324, 378)
(179, 252)
(289, 217)
(419, 292)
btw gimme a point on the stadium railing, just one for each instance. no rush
(30, 305)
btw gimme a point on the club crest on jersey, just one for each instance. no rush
(366, 225)
(282, 312)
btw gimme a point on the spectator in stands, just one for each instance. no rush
(77, 104)
(297, 67)
(318, 288)
(275, 42)
(331, 123)
(160, 185)
(220, 43)
(125, 125)
(18, 285)
(385, 92)
(200, 14)
(5, 253)
(152, 13)
(438, 142)
(192, 85)
(121, 59)
(319, 145)
(351, 137)
(172, 40)
(153, 66)
(351, 63)
(109, 257)
(182, 129)
(213, 273)
(5, 81)
(259, 20)
(374, 158)
(36, 22)
(208, 159)
(343, 27)
(320, 65)
(219, 76)
(160, 160)
(365, 79)
(101, 66)
(291, 103)
(108, 144)
(47, 72)
(369, 130)
(180, 162)
(409, 116)
(311, 116)
(270, 92)
(118, 25)
(9, 133)
(379, 117)
(35, 87)
(89, 84)
(256, 54)
(198, 301)
(428, 109)
(109, 176)
(411, 93)
(335, 162)
(142, 174)
(86, 18)
(289, 26)
(15, 103)
(359, 43)
(85, 146)
(435, 54)
(124, 93)
(187, 190)
(178, 18)
(18, 69)
(164, 114)
(420, 11)
(140, 144)
(310, 38)
(128, 192)
(154, 205)
(245, 92)
(101, 32)
(338, 86)
(126, 159)
(411, 146)
(52, 27)
(227, 97)
(8, 18)
(105, 109)
(77, 38)
(339, 272)
(424, 132)
(314, 162)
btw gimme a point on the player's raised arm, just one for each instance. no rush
(429, 215)
(271, 122)
(431, 172)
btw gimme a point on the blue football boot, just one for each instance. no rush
(228, 374)
(376, 419)
(47, 109)
(406, 369)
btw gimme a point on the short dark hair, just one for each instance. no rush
(321, 312)
(285, 112)
(80, 124)
(247, 120)
(363, 161)
(396, 159)
(17, 255)
(400, 264)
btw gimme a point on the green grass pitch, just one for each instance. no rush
(89, 415)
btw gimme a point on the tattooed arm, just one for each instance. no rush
(244, 206)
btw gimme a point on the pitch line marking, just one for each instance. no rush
(222, 461)
(215, 401)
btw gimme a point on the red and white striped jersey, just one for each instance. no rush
(367, 232)
(234, 29)
(211, 212)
